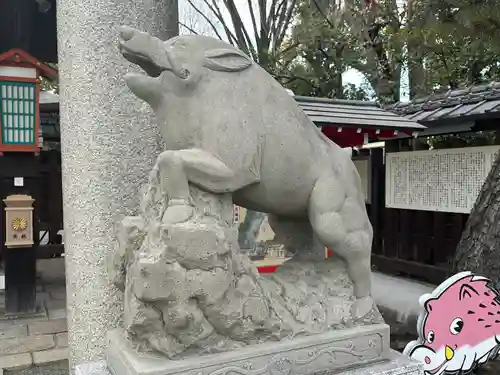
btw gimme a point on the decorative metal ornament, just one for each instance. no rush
(19, 224)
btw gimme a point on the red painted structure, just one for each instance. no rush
(356, 137)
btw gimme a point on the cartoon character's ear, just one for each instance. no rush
(226, 60)
(428, 305)
(466, 291)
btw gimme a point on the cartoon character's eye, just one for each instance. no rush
(430, 337)
(456, 326)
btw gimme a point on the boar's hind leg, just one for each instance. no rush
(297, 238)
(341, 224)
(201, 168)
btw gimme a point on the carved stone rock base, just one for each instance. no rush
(317, 354)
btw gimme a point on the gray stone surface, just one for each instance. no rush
(92, 368)
(49, 356)
(398, 364)
(16, 361)
(229, 127)
(188, 288)
(62, 340)
(52, 326)
(13, 331)
(26, 344)
(108, 145)
(330, 352)
(56, 368)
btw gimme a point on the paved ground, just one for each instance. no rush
(43, 339)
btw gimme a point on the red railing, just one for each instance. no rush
(273, 268)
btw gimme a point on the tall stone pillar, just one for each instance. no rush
(109, 141)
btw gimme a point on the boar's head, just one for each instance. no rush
(178, 65)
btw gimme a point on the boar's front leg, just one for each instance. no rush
(200, 168)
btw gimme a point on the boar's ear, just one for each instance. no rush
(226, 60)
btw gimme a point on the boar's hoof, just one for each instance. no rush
(361, 307)
(177, 214)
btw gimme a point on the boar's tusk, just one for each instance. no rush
(226, 60)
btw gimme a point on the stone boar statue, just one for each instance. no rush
(229, 127)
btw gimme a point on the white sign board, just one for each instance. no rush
(446, 180)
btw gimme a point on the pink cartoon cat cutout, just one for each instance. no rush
(460, 326)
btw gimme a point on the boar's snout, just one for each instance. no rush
(143, 50)
(127, 32)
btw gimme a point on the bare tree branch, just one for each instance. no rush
(191, 30)
(262, 43)
(214, 28)
(320, 11)
(218, 14)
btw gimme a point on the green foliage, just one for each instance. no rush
(481, 138)
(335, 36)
(47, 85)
(443, 44)
(459, 42)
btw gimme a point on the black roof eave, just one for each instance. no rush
(374, 126)
(458, 119)
(444, 129)
(49, 107)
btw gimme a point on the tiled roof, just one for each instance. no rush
(471, 103)
(325, 112)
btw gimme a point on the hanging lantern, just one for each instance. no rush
(20, 76)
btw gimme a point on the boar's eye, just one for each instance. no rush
(430, 337)
(456, 326)
(184, 73)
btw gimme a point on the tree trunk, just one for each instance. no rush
(416, 71)
(479, 247)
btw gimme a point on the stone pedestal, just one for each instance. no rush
(323, 353)
(357, 351)
(109, 142)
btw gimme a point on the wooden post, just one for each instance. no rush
(54, 193)
(377, 197)
(20, 263)
(20, 281)
(391, 216)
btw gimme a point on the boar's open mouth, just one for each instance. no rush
(144, 62)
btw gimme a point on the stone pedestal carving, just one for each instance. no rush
(324, 353)
(395, 364)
